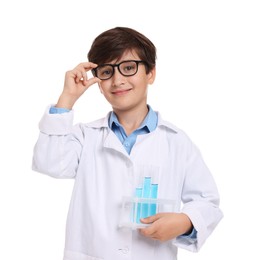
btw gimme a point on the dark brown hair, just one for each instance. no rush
(111, 45)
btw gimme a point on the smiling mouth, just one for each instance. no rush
(121, 91)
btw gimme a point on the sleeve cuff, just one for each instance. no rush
(58, 110)
(56, 124)
(192, 235)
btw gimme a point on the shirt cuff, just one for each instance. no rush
(192, 235)
(58, 110)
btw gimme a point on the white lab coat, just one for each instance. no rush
(104, 173)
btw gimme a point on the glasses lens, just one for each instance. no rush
(104, 72)
(128, 68)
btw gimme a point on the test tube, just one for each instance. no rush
(137, 206)
(147, 187)
(154, 192)
(146, 194)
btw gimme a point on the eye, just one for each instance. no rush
(128, 67)
(104, 71)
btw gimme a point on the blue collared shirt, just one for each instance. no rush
(148, 125)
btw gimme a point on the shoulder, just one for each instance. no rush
(172, 131)
(162, 123)
(96, 124)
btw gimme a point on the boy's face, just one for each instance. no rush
(127, 92)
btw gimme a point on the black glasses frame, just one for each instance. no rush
(118, 66)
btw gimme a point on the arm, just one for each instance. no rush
(59, 144)
(201, 200)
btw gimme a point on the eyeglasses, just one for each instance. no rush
(126, 68)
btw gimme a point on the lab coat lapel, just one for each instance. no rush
(113, 142)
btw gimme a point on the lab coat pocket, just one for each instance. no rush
(70, 255)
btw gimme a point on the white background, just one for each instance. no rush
(206, 81)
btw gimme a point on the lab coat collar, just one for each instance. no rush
(100, 123)
(166, 124)
(103, 123)
(111, 140)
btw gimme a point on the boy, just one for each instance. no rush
(109, 158)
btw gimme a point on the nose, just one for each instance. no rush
(117, 77)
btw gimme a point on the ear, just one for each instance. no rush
(151, 76)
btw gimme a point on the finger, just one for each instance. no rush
(84, 78)
(72, 74)
(147, 220)
(86, 66)
(147, 232)
(79, 76)
(150, 219)
(91, 81)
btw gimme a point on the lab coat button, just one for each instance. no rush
(124, 250)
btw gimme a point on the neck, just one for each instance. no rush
(131, 119)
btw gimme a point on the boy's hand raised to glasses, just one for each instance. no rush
(75, 84)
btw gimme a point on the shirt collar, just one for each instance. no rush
(104, 122)
(150, 121)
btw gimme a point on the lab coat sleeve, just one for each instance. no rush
(58, 148)
(200, 199)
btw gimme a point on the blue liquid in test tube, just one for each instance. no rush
(146, 194)
(137, 207)
(154, 192)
